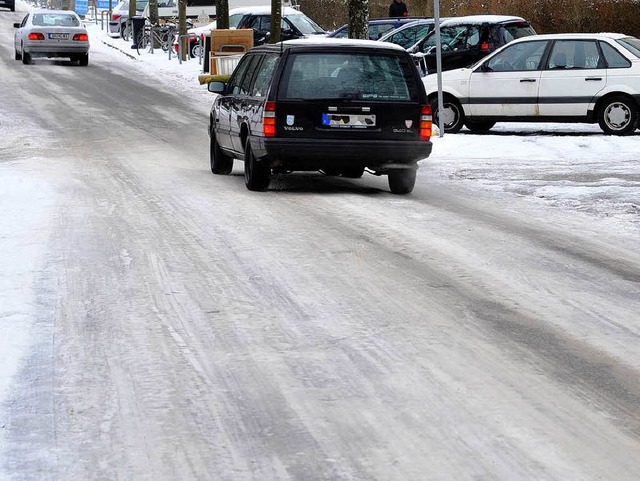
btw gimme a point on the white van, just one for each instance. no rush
(201, 8)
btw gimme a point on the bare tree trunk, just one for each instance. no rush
(153, 11)
(132, 9)
(222, 14)
(276, 20)
(182, 27)
(153, 19)
(358, 19)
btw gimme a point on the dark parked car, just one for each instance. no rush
(465, 40)
(10, 4)
(377, 27)
(333, 105)
(294, 24)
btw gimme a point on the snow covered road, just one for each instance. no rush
(161, 323)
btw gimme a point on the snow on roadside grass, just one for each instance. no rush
(569, 166)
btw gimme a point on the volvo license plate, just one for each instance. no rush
(353, 121)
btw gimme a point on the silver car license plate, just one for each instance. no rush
(354, 121)
(59, 36)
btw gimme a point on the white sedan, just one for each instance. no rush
(51, 33)
(549, 78)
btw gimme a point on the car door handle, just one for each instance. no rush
(527, 80)
(593, 78)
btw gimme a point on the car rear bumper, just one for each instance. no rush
(59, 50)
(114, 27)
(314, 154)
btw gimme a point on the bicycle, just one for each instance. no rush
(160, 34)
(125, 30)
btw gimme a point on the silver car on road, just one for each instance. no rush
(51, 33)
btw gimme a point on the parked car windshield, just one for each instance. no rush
(234, 19)
(304, 24)
(632, 44)
(449, 36)
(349, 76)
(408, 36)
(513, 31)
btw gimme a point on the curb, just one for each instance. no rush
(119, 50)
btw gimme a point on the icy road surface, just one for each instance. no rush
(158, 322)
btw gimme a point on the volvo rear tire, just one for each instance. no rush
(256, 174)
(402, 181)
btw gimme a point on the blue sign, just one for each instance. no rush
(104, 4)
(81, 7)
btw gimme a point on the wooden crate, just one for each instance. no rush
(230, 61)
(231, 40)
(228, 42)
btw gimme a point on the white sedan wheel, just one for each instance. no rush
(617, 115)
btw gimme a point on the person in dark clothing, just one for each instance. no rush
(398, 9)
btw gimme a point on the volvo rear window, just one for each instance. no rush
(355, 76)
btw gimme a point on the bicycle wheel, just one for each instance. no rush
(125, 32)
(142, 42)
(165, 40)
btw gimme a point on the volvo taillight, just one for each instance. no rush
(36, 36)
(425, 122)
(269, 119)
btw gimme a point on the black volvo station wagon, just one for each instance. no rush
(331, 105)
